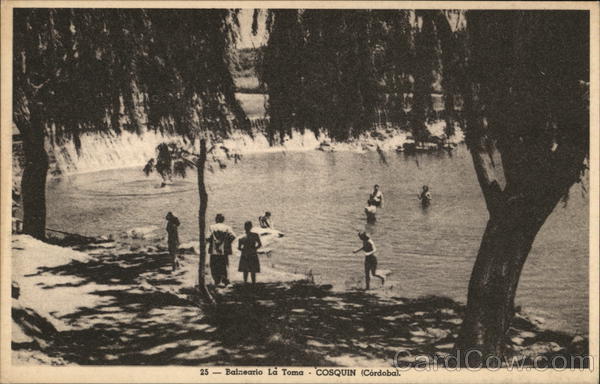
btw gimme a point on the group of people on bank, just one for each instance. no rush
(221, 238)
(220, 246)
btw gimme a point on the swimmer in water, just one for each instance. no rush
(370, 211)
(425, 197)
(376, 197)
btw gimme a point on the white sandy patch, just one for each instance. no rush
(30, 257)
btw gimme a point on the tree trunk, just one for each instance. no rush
(201, 162)
(506, 242)
(33, 182)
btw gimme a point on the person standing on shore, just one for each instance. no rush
(219, 239)
(369, 249)
(376, 197)
(249, 262)
(173, 238)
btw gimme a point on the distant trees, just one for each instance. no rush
(85, 70)
(336, 71)
(523, 77)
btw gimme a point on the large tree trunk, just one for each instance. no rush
(33, 182)
(504, 248)
(200, 166)
(515, 219)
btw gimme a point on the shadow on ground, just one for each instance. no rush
(147, 318)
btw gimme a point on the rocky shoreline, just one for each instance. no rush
(107, 301)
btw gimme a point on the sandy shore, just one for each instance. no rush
(119, 303)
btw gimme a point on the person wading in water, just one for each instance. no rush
(249, 262)
(220, 238)
(173, 238)
(425, 197)
(370, 211)
(368, 248)
(376, 197)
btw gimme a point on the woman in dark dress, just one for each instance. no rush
(249, 259)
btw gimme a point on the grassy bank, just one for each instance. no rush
(119, 303)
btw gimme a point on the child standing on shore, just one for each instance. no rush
(368, 248)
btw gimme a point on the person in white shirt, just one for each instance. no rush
(219, 239)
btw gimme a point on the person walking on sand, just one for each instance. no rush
(425, 197)
(376, 197)
(173, 238)
(249, 262)
(368, 247)
(219, 239)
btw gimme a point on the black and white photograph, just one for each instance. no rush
(299, 191)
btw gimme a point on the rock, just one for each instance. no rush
(527, 334)
(522, 323)
(577, 340)
(456, 321)
(189, 244)
(445, 346)
(106, 245)
(437, 333)
(418, 333)
(541, 348)
(537, 320)
(325, 147)
(517, 340)
(147, 232)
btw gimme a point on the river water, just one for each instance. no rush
(317, 200)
